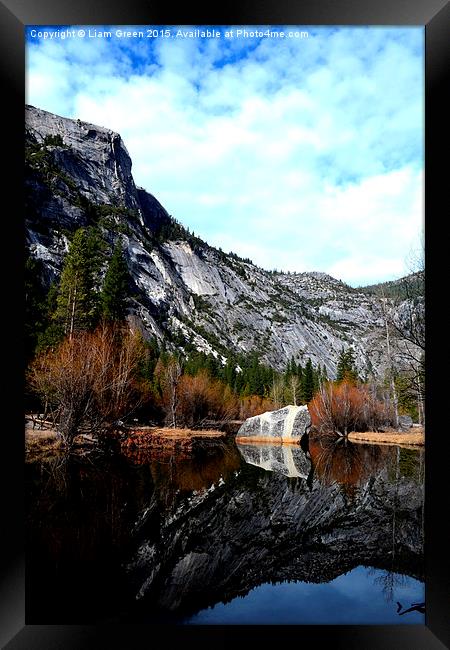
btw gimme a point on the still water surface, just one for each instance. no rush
(248, 534)
(355, 598)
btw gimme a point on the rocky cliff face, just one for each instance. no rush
(183, 286)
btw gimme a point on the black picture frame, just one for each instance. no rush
(434, 15)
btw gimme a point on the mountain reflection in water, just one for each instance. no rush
(156, 538)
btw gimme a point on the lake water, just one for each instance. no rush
(247, 534)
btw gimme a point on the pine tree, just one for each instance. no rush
(346, 366)
(308, 382)
(229, 372)
(340, 370)
(53, 333)
(240, 383)
(316, 379)
(253, 375)
(115, 287)
(212, 366)
(77, 301)
(34, 305)
(291, 368)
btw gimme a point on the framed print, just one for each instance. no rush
(225, 217)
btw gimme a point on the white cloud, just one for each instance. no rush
(300, 155)
(360, 269)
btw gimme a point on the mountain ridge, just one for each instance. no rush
(79, 174)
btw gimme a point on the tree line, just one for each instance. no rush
(89, 371)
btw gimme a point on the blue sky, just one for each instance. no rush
(304, 154)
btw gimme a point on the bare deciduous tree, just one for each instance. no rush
(294, 389)
(407, 323)
(391, 370)
(169, 375)
(89, 380)
(277, 391)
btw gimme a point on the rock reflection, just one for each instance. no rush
(289, 460)
(327, 460)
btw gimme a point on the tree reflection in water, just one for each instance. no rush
(177, 474)
(389, 581)
(337, 460)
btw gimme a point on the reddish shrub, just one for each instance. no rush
(344, 407)
(202, 398)
(255, 405)
(90, 380)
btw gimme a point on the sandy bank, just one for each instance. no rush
(414, 436)
(42, 443)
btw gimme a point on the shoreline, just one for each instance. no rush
(270, 440)
(41, 443)
(410, 437)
